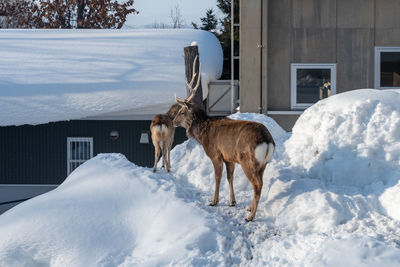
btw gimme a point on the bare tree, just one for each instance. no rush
(176, 17)
(159, 25)
(66, 13)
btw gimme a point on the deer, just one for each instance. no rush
(229, 142)
(162, 130)
(162, 136)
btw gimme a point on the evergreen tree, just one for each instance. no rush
(225, 35)
(209, 22)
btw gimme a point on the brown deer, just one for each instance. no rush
(162, 135)
(162, 130)
(229, 141)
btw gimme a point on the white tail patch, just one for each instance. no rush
(160, 128)
(264, 152)
(270, 154)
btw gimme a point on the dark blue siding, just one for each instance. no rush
(38, 154)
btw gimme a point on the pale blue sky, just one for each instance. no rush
(159, 10)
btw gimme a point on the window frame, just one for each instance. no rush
(77, 139)
(377, 75)
(293, 81)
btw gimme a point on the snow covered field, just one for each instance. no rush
(330, 198)
(53, 75)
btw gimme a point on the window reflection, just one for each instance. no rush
(390, 69)
(312, 85)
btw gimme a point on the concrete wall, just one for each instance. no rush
(344, 32)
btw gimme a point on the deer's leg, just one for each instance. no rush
(218, 173)
(162, 146)
(156, 155)
(164, 156)
(230, 168)
(257, 182)
(169, 145)
(260, 177)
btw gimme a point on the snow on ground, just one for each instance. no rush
(53, 75)
(319, 207)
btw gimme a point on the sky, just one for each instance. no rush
(151, 11)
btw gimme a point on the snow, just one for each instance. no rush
(54, 75)
(316, 209)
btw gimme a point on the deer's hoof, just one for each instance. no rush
(154, 170)
(233, 203)
(249, 219)
(212, 204)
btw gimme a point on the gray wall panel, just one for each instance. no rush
(355, 44)
(314, 45)
(279, 54)
(355, 66)
(250, 55)
(355, 13)
(387, 23)
(314, 13)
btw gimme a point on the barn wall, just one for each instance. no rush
(38, 154)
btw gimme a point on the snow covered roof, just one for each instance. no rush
(53, 75)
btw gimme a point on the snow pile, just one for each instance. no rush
(311, 213)
(349, 139)
(53, 75)
(352, 139)
(108, 212)
(301, 220)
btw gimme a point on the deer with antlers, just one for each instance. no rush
(228, 141)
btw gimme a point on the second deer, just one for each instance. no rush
(162, 135)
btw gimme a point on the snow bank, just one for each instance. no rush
(352, 139)
(53, 75)
(108, 212)
(349, 139)
(310, 213)
(301, 220)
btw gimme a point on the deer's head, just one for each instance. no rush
(185, 115)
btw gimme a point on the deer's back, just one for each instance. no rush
(233, 137)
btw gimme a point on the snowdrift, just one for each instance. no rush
(352, 139)
(108, 212)
(311, 213)
(54, 75)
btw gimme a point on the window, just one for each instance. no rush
(310, 83)
(79, 150)
(387, 67)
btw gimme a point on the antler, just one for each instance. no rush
(193, 90)
(189, 85)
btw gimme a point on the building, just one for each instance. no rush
(68, 95)
(296, 52)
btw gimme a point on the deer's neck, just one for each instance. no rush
(198, 128)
